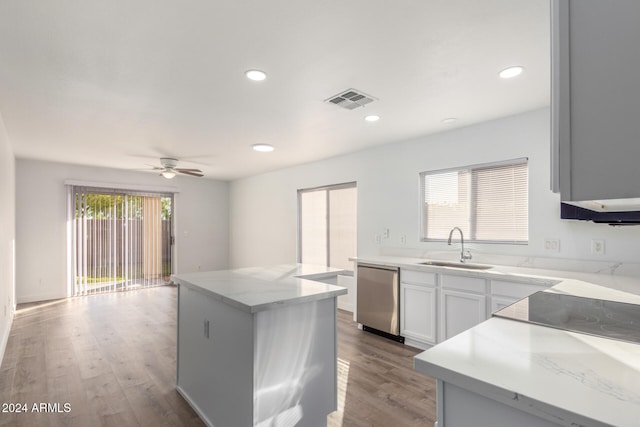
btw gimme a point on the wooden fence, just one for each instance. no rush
(105, 246)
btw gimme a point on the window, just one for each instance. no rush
(327, 220)
(488, 202)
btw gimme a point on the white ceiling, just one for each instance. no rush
(121, 83)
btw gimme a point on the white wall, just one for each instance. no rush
(201, 222)
(263, 208)
(7, 237)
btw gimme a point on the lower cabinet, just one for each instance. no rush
(418, 313)
(463, 304)
(435, 306)
(460, 311)
(504, 293)
(499, 302)
(418, 305)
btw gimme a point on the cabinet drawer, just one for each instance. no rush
(470, 284)
(514, 289)
(417, 277)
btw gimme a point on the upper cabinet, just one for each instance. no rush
(595, 103)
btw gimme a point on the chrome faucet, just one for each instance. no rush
(463, 256)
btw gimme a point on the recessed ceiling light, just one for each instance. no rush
(449, 120)
(511, 72)
(255, 75)
(263, 148)
(372, 118)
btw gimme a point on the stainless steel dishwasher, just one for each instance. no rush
(378, 300)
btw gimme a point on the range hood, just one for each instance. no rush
(612, 212)
(609, 205)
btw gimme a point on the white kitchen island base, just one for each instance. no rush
(264, 365)
(463, 408)
(509, 373)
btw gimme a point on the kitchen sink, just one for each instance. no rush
(454, 264)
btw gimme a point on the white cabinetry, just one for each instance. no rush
(436, 306)
(595, 99)
(347, 302)
(504, 293)
(463, 304)
(418, 301)
(498, 302)
(458, 407)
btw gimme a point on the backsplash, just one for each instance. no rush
(562, 264)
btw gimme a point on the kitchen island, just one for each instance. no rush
(257, 346)
(506, 372)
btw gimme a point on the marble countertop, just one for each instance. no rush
(565, 377)
(257, 289)
(536, 276)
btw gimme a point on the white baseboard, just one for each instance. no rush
(5, 337)
(417, 344)
(37, 298)
(195, 407)
(346, 306)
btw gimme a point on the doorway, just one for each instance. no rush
(119, 240)
(327, 225)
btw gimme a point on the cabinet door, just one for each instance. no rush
(595, 98)
(418, 312)
(505, 293)
(498, 302)
(460, 311)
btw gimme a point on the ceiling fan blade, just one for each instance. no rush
(190, 172)
(145, 169)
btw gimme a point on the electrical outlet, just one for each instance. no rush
(597, 246)
(385, 233)
(403, 239)
(378, 239)
(552, 245)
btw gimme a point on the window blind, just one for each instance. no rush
(119, 240)
(488, 202)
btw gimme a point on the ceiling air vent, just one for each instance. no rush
(350, 99)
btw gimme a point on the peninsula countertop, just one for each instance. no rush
(255, 289)
(565, 377)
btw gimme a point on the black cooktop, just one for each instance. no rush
(609, 319)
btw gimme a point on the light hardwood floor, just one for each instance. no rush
(112, 357)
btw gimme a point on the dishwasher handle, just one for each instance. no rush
(379, 267)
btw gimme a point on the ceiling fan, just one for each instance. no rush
(169, 169)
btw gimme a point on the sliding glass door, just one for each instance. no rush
(327, 225)
(120, 240)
